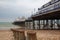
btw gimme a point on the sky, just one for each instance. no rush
(11, 9)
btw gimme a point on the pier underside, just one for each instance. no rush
(50, 20)
(46, 16)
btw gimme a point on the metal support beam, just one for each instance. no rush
(43, 24)
(51, 24)
(58, 24)
(33, 24)
(28, 25)
(54, 24)
(47, 23)
(39, 24)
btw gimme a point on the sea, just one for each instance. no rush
(7, 26)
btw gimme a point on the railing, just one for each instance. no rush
(48, 4)
(50, 8)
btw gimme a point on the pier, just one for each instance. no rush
(49, 14)
(44, 25)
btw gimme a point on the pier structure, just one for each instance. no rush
(48, 16)
(28, 23)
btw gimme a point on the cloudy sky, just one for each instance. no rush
(11, 9)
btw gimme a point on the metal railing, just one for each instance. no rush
(52, 7)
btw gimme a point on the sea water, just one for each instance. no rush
(7, 26)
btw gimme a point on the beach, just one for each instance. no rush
(6, 35)
(5, 30)
(40, 34)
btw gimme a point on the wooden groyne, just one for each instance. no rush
(36, 34)
(18, 34)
